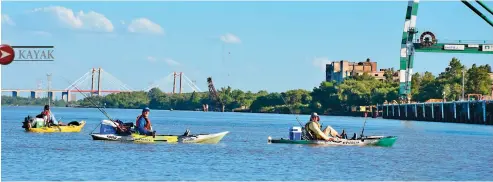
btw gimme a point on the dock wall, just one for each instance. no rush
(472, 112)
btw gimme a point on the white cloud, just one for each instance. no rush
(88, 21)
(171, 62)
(7, 20)
(151, 59)
(41, 33)
(320, 62)
(144, 25)
(168, 61)
(230, 38)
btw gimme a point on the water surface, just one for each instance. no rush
(423, 151)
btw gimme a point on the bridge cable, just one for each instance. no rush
(79, 81)
(118, 82)
(102, 110)
(194, 87)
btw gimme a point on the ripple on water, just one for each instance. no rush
(423, 151)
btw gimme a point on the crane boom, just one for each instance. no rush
(213, 94)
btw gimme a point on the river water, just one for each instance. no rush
(423, 151)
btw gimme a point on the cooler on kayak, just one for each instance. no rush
(38, 123)
(295, 133)
(107, 127)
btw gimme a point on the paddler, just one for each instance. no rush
(143, 123)
(48, 116)
(313, 127)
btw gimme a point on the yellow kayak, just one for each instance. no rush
(200, 138)
(72, 127)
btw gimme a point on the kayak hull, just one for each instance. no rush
(382, 141)
(200, 138)
(55, 129)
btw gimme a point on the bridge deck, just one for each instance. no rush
(27, 90)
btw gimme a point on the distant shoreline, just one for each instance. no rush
(352, 114)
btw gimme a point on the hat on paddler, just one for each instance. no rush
(146, 109)
(314, 114)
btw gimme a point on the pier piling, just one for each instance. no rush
(472, 112)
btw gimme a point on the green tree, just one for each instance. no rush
(415, 85)
(451, 78)
(154, 98)
(428, 88)
(325, 98)
(389, 75)
(269, 100)
(478, 80)
(298, 96)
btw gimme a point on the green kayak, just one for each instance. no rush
(383, 141)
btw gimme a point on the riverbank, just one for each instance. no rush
(329, 98)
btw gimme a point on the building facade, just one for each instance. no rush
(338, 71)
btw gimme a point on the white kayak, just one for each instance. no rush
(199, 138)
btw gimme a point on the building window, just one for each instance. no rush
(376, 74)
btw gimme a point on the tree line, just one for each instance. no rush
(328, 97)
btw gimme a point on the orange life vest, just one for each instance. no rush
(147, 125)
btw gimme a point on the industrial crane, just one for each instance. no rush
(214, 96)
(427, 42)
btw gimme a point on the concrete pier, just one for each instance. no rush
(34, 95)
(67, 96)
(473, 112)
(50, 96)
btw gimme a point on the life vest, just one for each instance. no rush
(47, 114)
(146, 126)
(308, 133)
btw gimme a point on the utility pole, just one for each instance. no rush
(443, 94)
(48, 76)
(463, 85)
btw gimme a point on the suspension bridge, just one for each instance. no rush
(99, 82)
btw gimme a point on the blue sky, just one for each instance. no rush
(273, 46)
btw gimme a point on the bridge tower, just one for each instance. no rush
(172, 78)
(99, 73)
(174, 81)
(92, 81)
(99, 81)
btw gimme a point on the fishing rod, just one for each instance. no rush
(364, 124)
(297, 119)
(101, 110)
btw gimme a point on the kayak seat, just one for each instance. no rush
(344, 134)
(187, 133)
(306, 135)
(354, 137)
(129, 125)
(74, 123)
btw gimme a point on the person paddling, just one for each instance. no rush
(313, 127)
(49, 117)
(143, 123)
